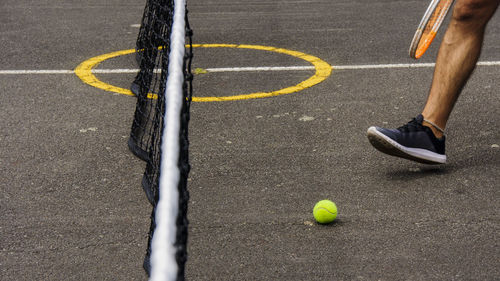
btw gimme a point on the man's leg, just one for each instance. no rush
(457, 58)
(421, 139)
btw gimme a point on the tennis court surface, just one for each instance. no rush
(71, 200)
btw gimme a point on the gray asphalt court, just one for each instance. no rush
(71, 202)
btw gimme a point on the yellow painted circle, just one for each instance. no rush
(322, 71)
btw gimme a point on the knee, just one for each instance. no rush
(474, 11)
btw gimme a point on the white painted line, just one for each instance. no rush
(15, 72)
(111, 71)
(404, 65)
(337, 67)
(248, 69)
(270, 68)
(379, 66)
(56, 71)
(488, 63)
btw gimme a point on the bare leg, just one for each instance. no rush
(457, 58)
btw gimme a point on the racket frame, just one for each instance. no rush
(428, 28)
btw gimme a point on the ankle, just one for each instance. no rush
(436, 130)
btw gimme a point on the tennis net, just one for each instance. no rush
(159, 133)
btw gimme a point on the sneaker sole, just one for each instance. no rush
(388, 146)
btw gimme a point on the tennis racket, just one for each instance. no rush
(429, 26)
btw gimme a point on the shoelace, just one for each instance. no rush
(416, 125)
(413, 126)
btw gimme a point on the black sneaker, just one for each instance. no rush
(412, 141)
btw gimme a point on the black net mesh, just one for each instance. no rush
(153, 46)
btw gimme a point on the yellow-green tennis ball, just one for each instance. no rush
(325, 211)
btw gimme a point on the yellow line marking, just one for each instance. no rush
(199, 70)
(322, 71)
(84, 72)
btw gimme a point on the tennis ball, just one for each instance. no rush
(325, 211)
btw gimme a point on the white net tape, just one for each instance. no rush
(163, 262)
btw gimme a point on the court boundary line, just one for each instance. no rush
(243, 69)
